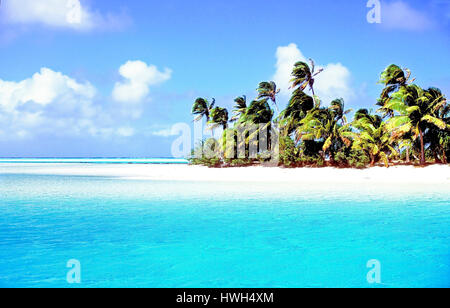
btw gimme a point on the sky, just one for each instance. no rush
(93, 78)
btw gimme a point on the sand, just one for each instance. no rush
(436, 174)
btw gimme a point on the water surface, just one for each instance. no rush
(129, 233)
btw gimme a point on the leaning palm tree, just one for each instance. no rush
(257, 119)
(303, 76)
(268, 90)
(337, 107)
(259, 112)
(417, 111)
(439, 139)
(375, 120)
(240, 108)
(393, 78)
(299, 106)
(326, 125)
(373, 139)
(219, 117)
(202, 108)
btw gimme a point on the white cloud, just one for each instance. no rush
(71, 14)
(138, 78)
(125, 131)
(168, 132)
(52, 103)
(333, 82)
(399, 15)
(44, 88)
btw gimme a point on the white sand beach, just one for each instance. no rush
(436, 174)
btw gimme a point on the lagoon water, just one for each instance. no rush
(137, 233)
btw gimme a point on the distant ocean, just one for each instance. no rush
(94, 160)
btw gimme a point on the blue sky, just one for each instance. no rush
(110, 78)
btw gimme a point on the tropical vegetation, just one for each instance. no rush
(410, 126)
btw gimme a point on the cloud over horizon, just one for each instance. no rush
(46, 102)
(50, 102)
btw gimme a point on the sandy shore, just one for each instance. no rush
(437, 174)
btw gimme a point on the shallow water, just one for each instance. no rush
(128, 233)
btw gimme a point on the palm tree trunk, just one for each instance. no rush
(331, 157)
(444, 157)
(276, 106)
(212, 130)
(436, 158)
(372, 160)
(422, 148)
(408, 157)
(314, 96)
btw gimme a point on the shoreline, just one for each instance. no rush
(434, 174)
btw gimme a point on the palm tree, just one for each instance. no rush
(405, 142)
(219, 117)
(259, 112)
(417, 111)
(338, 109)
(258, 116)
(202, 108)
(240, 108)
(439, 139)
(268, 90)
(375, 120)
(393, 78)
(299, 105)
(373, 138)
(303, 76)
(328, 125)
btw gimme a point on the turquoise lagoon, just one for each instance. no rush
(137, 233)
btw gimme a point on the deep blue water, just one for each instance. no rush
(128, 233)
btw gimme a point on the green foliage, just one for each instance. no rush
(239, 162)
(394, 79)
(327, 125)
(240, 108)
(202, 108)
(299, 106)
(289, 153)
(268, 90)
(219, 117)
(418, 112)
(303, 76)
(351, 158)
(206, 153)
(259, 112)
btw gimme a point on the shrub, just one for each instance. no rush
(239, 162)
(289, 153)
(358, 159)
(206, 153)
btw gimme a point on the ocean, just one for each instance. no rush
(140, 233)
